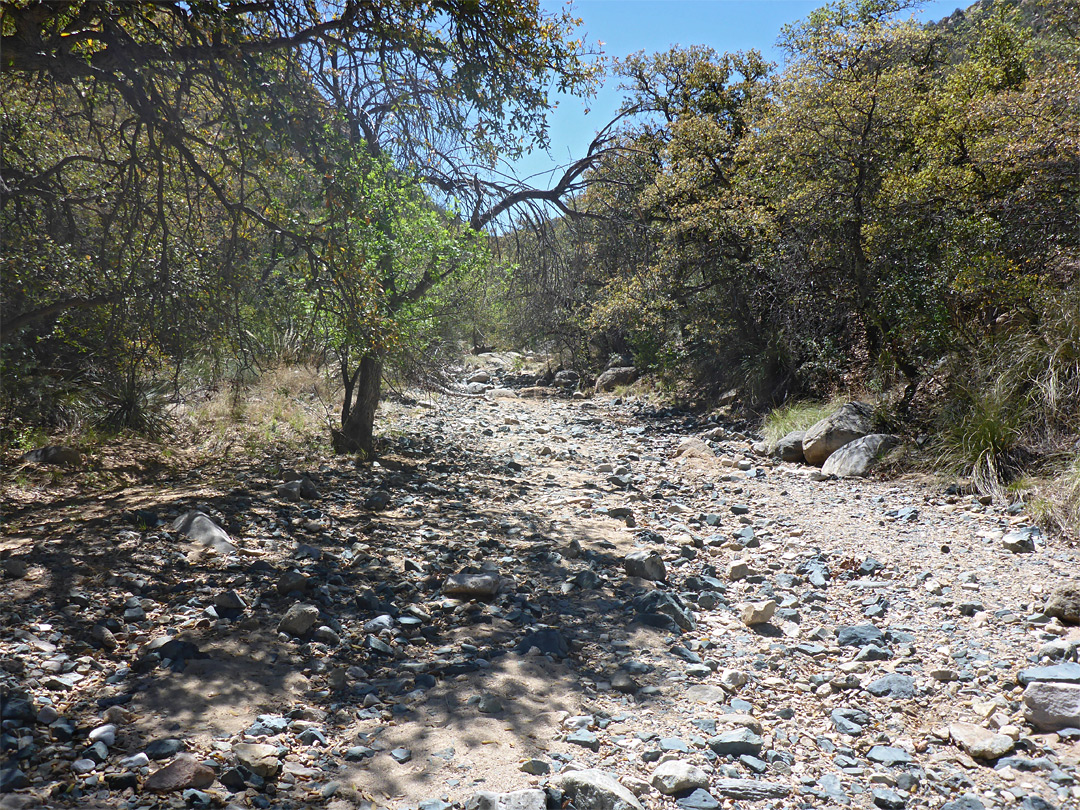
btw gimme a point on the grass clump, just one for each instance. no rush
(799, 415)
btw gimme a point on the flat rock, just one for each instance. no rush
(1058, 673)
(888, 756)
(699, 799)
(472, 586)
(182, 773)
(593, 789)
(750, 789)
(979, 742)
(614, 377)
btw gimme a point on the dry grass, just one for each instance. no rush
(286, 410)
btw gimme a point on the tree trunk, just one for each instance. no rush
(358, 413)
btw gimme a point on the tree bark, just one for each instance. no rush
(357, 434)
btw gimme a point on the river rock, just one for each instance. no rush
(849, 422)
(593, 789)
(857, 457)
(472, 586)
(532, 799)
(182, 773)
(979, 742)
(646, 564)
(677, 776)
(200, 529)
(298, 619)
(1064, 602)
(259, 758)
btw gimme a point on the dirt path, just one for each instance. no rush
(398, 693)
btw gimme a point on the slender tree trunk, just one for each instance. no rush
(357, 434)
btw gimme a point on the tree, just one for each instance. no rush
(435, 89)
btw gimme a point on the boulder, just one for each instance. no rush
(847, 423)
(789, 448)
(613, 377)
(593, 789)
(1064, 602)
(856, 457)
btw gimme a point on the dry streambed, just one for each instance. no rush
(594, 603)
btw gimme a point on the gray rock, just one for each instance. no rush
(472, 586)
(182, 773)
(199, 528)
(887, 799)
(54, 454)
(736, 742)
(893, 685)
(230, 600)
(857, 457)
(646, 564)
(965, 802)
(849, 721)
(1052, 706)
(678, 775)
(11, 778)
(1021, 541)
(1059, 673)
(789, 448)
(699, 799)
(750, 789)
(532, 799)
(888, 756)
(164, 748)
(614, 377)
(849, 422)
(298, 619)
(584, 738)
(548, 641)
(593, 789)
(536, 767)
(859, 635)
(1064, 602)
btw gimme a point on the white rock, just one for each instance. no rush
(677, 775)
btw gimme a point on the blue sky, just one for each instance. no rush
(628, 26)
